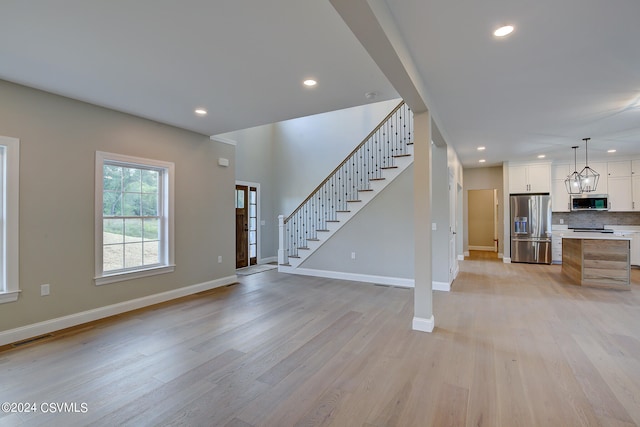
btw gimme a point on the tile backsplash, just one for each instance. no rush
(596, 219)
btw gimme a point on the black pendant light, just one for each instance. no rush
(588, 177)
(572, 182)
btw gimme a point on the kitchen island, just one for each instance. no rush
(597, 259)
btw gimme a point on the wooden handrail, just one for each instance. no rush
(355, 150)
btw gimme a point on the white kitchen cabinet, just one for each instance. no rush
(533, 178)
(560, 199)
(620, 194)
(635, 248)
(618, 169)
(635, 191)
(561, 171)
(556, 249)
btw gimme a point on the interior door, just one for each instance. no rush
(453, 227)
(242, 226)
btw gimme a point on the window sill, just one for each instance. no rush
(120, 277)
(10, 296)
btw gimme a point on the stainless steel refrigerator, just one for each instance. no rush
(531, 228)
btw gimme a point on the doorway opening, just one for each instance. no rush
(246, 201)
(483, 220)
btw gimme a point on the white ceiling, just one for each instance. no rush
(570, 70)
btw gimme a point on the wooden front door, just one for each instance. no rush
(246, 226)
(242, 226)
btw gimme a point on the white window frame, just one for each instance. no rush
(167, 261)
(9, 207)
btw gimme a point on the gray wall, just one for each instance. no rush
(440, 214)
(291, 158)
(381, 235)
(308, 149)
(58, 140)
(254, 159)
(484, 179)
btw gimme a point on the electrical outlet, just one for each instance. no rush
(434, 226)
(561, 221)
(44, 290)
(353, 255)
(219, 259)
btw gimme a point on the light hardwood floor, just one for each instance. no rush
(514, 345)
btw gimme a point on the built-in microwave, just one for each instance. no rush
(590, 202)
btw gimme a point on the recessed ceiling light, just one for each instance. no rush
(611, 151)
(200, 111)
(481, 148)
(481, 161)
(503, 31)
(310, 82)
(541, 156)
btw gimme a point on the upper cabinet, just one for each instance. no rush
(559, 197)
(531, 178)
(619, 169)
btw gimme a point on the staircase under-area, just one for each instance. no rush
(381, 157)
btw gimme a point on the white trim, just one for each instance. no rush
(9, 249)
(40, 328)
(267, 260)
(167, 249)
(137, 274)
(368, 278)
(482, 248)
(423, 325)
(9, 296)
(506, 260)
(441, 286)
(223, 140)
(460, 257)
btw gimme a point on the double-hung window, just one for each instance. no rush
(134, 217)
(9, 200)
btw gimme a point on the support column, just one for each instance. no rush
(423, 319)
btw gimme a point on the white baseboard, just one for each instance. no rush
(368, 278)
(506, 260)
(423, 325)
(461, 257)
(441, 286)
(482, 248)
(268, 260)
(41, 328)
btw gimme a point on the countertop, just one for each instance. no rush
(589, 235)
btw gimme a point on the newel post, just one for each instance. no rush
(282, 251)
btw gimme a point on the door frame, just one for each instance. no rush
(256, 185)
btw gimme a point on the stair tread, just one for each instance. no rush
(313, 240)
(353, 201)
(324, 230)
(285, 265)
(377, 179)
(303, 248)
(401, 155)
(389, 167)
(344, 211)
(368, 189)
(333, 220)
(294, 256)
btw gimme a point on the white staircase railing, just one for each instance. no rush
(366, 163)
